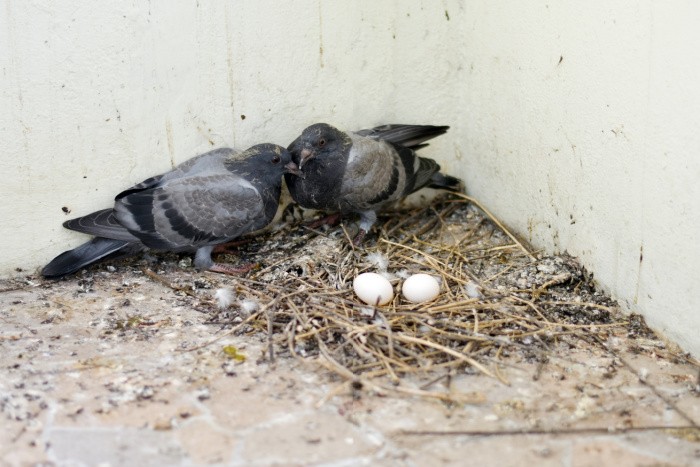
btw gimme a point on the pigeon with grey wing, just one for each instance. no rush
(208, 200)
(361, 172)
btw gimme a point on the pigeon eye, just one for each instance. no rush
(321, 142)
(276, 159)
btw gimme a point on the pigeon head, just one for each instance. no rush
(320, 141)
(265, 161)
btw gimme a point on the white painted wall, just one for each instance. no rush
(575, 123)
(583, 136)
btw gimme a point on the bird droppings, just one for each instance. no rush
(233, 353)
(136, 353)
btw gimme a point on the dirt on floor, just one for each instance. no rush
(521, 360)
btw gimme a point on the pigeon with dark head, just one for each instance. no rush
(362, 172)
(206, 201)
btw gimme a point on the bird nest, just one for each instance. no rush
(500, 303)
(498, 300)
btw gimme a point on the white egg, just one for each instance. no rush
(420, 288)
(373, 289)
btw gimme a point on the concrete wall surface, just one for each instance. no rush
(575, 123)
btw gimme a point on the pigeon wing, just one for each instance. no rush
(101, 224)
(410, 136)
(374, 174)
(192, 211)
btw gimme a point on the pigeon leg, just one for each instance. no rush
(202, 258)
(367, 220)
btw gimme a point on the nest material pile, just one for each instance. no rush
(497, 299)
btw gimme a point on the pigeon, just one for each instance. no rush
(362, 172)
(206, 201)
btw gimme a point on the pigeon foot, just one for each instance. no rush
(331, 219)
(229, 247)
(357, 241)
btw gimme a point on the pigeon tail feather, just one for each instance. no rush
(446, 182)
(83, 255)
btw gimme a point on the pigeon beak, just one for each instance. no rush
(305, 154)
(292, 168)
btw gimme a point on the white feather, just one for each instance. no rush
(379, 260)
(224, 298)
(473, 290)
(403, 274)
(249, 306)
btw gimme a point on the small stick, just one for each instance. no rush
(165, 282)
(269, 313)
(454, 353)
(583, 304)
